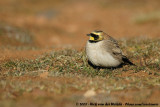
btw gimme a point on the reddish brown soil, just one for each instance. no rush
(68, 29)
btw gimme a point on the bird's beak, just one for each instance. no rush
(88, 34)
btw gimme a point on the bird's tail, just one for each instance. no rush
(127, 61)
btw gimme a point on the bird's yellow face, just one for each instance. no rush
(96, 36)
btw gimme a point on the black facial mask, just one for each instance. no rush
(95, 36)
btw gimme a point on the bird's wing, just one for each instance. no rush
(117, 53)
(114, 49)
(111, 46)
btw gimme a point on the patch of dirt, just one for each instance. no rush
(26, 54)
(73, 20)
(64, 24)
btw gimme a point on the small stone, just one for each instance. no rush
(90, 93)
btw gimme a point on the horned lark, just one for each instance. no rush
(103, 51)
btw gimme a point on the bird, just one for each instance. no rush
(103, 51)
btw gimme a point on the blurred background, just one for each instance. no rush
(30, 27)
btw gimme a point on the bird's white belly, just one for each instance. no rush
(100, 57)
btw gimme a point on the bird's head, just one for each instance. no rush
(96, 36)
